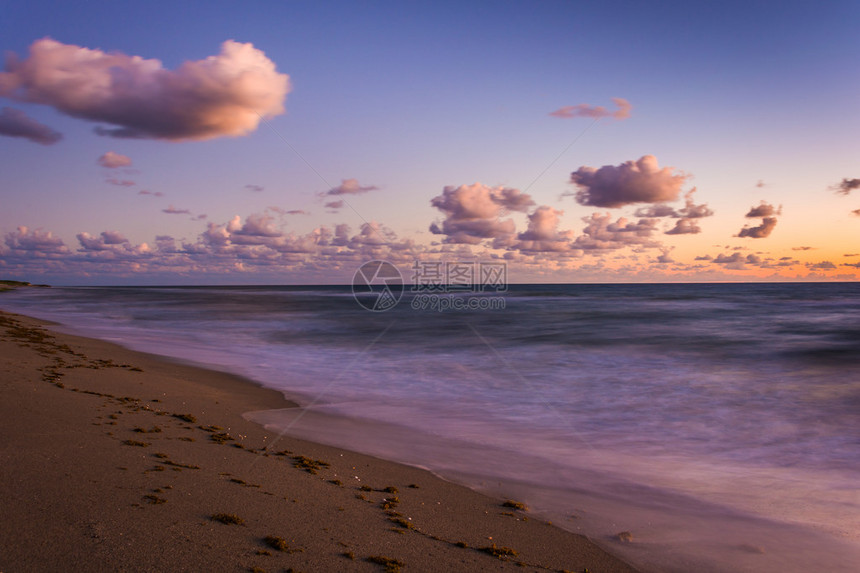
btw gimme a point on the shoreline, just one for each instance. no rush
(117, 460)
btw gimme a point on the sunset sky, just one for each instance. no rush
(289, 142)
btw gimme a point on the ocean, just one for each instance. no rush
(718, 423)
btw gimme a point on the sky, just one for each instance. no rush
(290, 142)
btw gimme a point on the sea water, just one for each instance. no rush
(718, 423)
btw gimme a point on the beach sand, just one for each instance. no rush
(112, 460)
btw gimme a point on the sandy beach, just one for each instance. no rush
(119, 461)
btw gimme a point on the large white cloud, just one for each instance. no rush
(223, 95)
(16, 123)
(640, 181)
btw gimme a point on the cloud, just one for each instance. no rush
(335, 204)
(687, 215)
(685, 226)
(585, 110)
(803, 248)
(603, 234)
(153, 193)
(763, 210)
(35, 241)
(16, 123)
(640, 181)
(223, 95)
(254, 188)
(171, 210)
(737, 261)
(542, 234)
(473, 213)
(821, 266)
(105, 242)
(112, 160)
(350, 187)
(760, 184)
(762, 231)
(856, 212)
(665, 258)
(120, 182)
(846, 186)
(297, 212)
(256, 225)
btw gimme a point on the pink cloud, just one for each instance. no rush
(601, 233)
(104, 242)
(120, 182)
(350, 187)
(473, 213)
(585, 110)
(35, 241)
(171, 210)
(16, 123)
(640, 181)
(763, 210)
(760, 232)
(112, 160)
(542, 234)
(222, 95)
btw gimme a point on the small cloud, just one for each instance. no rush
(16, 123)
(254, 188)
(297, 212)
(762, 231)
(335, 204)
(821, 266)
(764, 210)
(846, 186)
(685, 227)
(803, 248)
(760, 184)
(112, 160)
(171, 210)
(704, 258)
(153, 193)
(851, 255)
(596, 112)
(350, 187)
(120, 182)
(640, 181)
(856, 212)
